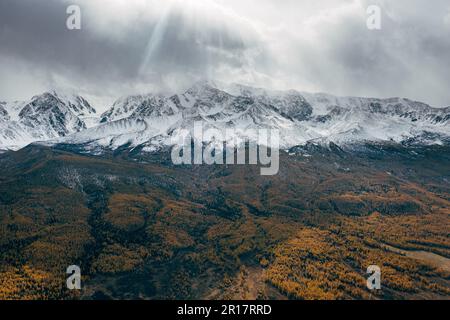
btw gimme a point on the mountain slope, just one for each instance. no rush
(47, 116)
(151, 230)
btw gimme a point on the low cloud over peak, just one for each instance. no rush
(127, 47)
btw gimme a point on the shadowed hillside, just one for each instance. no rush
(141, 228)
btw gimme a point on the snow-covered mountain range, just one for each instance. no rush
(45, 117)
(152, 121)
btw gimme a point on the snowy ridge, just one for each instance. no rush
(44, 117)
(153, 122)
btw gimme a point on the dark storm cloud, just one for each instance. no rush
(112, 55)
(144, 45)
(36, 33)
(408, 57)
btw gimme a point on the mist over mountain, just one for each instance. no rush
(128, 47)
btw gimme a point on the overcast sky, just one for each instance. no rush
(138, 46)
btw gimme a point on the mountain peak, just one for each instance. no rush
(75, 103)
(204, 88)
(49, 115)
